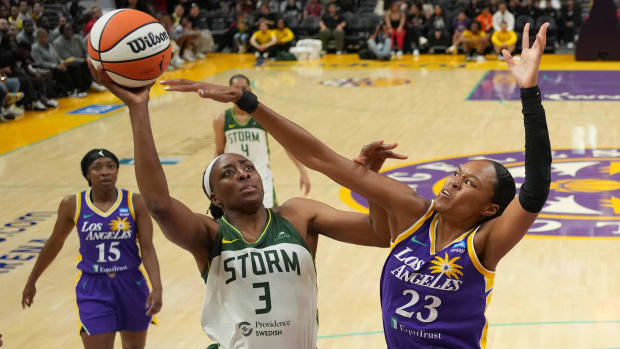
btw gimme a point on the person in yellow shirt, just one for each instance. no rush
(476, 40)
(504, 39)
(263, 41)
(284, 36)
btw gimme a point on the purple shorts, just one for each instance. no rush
(109, 304)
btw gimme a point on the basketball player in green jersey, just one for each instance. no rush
(237, 132)
(258, 263)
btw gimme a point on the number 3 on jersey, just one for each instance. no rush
(266, 297)
(415, 297)
(114, 253)
(245, 149)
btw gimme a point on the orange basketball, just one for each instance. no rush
(130, 46)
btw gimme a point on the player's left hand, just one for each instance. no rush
(373, 155)
(304, 183)
(130, 96)
(525, 72)
(153, 302)
(224, 94)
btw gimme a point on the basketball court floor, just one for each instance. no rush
(557, 289)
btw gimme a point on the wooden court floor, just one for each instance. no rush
(556, 290)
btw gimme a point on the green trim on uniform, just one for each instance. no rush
(231, 121)
(278, 230)
(214, 346)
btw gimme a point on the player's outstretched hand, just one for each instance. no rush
(525, 71)
(373, 155)
(28, 295)
(224, 94)
(0, 340)
(130, 96)
(153, 303)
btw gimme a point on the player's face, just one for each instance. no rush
(102, 173)
(468, 191)
(237, 184)
(241, 83)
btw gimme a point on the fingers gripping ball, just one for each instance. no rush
(130, 46)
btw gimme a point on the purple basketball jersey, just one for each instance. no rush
(434, 299)
(107, 239)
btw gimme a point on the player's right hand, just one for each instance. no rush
(28, 295)
(373, 155)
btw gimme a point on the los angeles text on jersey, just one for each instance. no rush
(261, 262)
(246, 135)
(408, 272)
(93, 232)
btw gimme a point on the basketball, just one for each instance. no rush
(130, 46)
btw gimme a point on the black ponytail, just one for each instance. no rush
(216, 211)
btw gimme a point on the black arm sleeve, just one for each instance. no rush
(535, 189)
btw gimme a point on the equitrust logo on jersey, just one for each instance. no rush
(584, 200)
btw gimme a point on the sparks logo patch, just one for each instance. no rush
(584, 201)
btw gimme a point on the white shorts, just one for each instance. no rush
(269, 200)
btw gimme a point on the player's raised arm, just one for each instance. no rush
(507, 230)
(403, 203)
(180, 225)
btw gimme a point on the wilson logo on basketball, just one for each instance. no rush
(584, 200)
(140, 44)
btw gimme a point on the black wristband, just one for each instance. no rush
(530, 93)
(248, 102)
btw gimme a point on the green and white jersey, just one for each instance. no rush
(262, 294)
(248, 139)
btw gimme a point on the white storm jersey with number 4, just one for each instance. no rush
(248, 139)
(262, 294)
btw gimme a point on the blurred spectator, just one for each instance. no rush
(438, 34)
(176, 61)
(263, 41)
(69, 46)
(200, 23)
(475, 41)
(30, 100)
(332, 27)
(24, 14)
(4, 28)
(395, 21)
(55, 33)
(474, 8)
(570, 16)
(37, 12)
(188, 39)
(504, 39)
(265, 15)
(42, 79)
(273, 5)
(485, 19)
(242, 33)
(14, 17)
(70, 78)
(4, 12)
(459, 25)
(313, 9)
(13, 30)
(178, 13)
(284, 36)
(528, 9)
(493, 6)
(503, 16)
(27, 33)
(415, 28)
(380, 42)
(95, 14)
(244, 6)
(291, 8)
(139, 5)
(514, 7)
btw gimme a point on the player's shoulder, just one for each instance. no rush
(296, 207)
